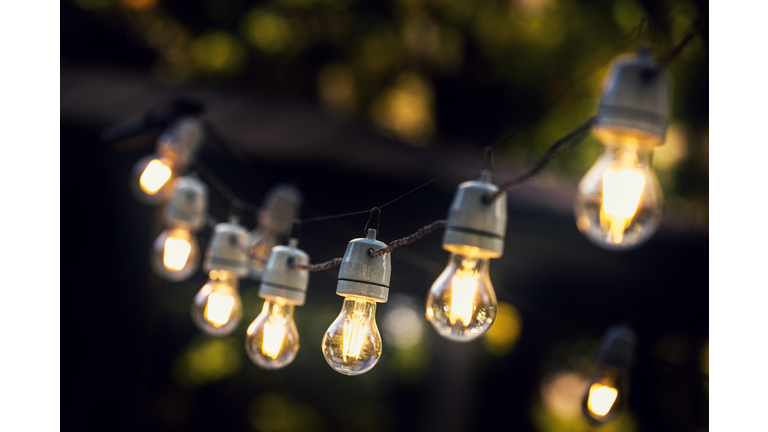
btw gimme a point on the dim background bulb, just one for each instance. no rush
(461, 304)
(176, 254)
(273, 341)
(352, 344)
(217, 308)
(619, 202)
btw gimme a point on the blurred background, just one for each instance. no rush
(356, 103)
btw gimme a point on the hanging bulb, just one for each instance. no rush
(352, 344)
(607, 390)
(152, 175)
(217, 307)
(274, 221)
(272, 340)
(619, 202)
(461, 305)
(176, 254)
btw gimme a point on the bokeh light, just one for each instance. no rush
(505, 331)
(405, 109)
(207, 360)
(218, 52)
(266, 30)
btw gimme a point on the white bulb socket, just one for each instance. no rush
(635, 98)
(474, 226)
(281, 280)
(189, 204)
(227, 249)
(280, 207)
(363, 276)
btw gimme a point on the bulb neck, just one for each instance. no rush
(276, 307)
(630, 156)
(360, 306)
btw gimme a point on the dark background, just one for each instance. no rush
(133, 360)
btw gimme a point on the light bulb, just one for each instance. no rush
(151, 179)
(352, 344)
(273, 341)
(461, 304)
(619, 201)
(605, 395)
(175, 254)
(217, 307)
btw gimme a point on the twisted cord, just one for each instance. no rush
(675, 52)
(317, 267)
(574, 137)
(436, 225)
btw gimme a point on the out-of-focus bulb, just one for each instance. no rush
(461, 304)
(607, 390)
(273, 340)
(176, 254)
(274, 221)
(352, 344)
(604, 397)
(619, 201)
(173, 152)
(217, 307)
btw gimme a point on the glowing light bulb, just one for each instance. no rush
(151, 179)
(461, 304)
(273, 341)
(176, 254)
(604, 397)
(217, 307)
(352, 344)
(619, 201)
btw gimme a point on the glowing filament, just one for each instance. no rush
(154, 177)
(219, 308)
(463, 289)
(273, 339)
(601, 399)
(621, 195)
(354, 335)
(175, 253)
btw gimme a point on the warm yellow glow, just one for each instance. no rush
(175, 253)
(155, 175)
(219, 308)
(601, 399)
(621, 195)
(354, 334)
(463, 287)
(501, 337)
(273, 339)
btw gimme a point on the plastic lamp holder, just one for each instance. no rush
(363, 276)
(188, 205)
(281, 280)
(225, 251)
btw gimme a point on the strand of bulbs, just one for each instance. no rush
(618, 207)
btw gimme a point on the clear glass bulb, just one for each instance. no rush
(217, 307)
(176, 254)
(273, 341)
(352, 344)
(604, 398)
(461, 304)
(150, 179)
(619, 201)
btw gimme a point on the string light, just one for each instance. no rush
(619, 200)
(217, 308)
(352, 344)
(279, 209)
(175, 253)
(272, 340)
(174, 151)
(607, 390)
(461, 305)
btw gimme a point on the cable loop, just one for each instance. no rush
(378, 220)
(488, 155)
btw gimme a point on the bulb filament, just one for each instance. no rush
(175, 253)
(154, 177)
(601, 399)
(621, 195)
(219, 308)
(274, 333)
(354, 331)
(463, 287)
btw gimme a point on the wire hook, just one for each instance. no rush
(646, 33)
(378, 220)
(488, 156)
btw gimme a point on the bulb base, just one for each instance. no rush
(281, 206)
(363, 276)
(617, 348)
(226, 251)
(181, 141)
(283, 281)
(188, 205)
(474, 227)
(636, 99)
